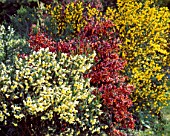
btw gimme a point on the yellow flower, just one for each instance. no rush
(15, 124)
(160, 76)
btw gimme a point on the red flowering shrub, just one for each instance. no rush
(106, 72)
(40, 40)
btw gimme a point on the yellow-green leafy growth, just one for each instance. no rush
(11, 44)
(45, 88)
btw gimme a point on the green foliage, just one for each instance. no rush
(51, 88)
(10, 7)
(11, 45)
(166, 116)
(159, 129)
(23, 20)
(161, 2)
(164, 2)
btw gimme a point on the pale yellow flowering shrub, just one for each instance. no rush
(50, 88)
(144, 30)
(11, 44)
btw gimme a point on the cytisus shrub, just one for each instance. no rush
(47, 94)
(144, 30)
(66, 20)
(11, 45)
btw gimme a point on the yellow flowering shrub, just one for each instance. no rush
(69, 19)
(47, 92)
(144, 30)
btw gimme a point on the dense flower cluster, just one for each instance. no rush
(41, 40)
(106, 73)
(52, 88)
(144, 32)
